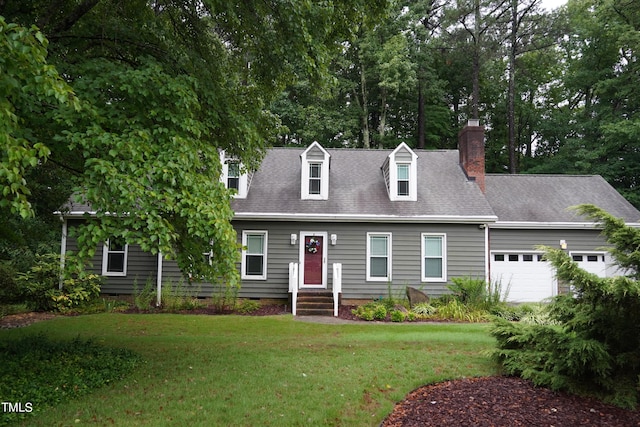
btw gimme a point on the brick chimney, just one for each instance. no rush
(471, 148)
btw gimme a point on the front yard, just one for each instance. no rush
(239, 370)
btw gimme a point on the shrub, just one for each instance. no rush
(36, 369)
(41, 286)
(380, 312)
(398, 316)
(144, 298)
(596, 346)
(248, 306)
(180, 297)
(225, 297)
(423, 309)
(371, 311)
(457, 311)
(9, 290)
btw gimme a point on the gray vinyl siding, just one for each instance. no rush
(465, 256)
(141, 267)
(528, 240)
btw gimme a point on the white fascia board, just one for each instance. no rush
(550, 225)
(315, 217)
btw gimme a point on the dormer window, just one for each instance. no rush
(233, 176)
(314, 179)
(403, 179)
(400, 171)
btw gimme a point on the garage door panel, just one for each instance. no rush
(524, 276)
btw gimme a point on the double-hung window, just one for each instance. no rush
(254, 255)
(114, 257)
(379, 256)
(403, 179)
(233, 175)
(434, 263)
(315, 178)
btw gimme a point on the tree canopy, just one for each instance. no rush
(131, 102)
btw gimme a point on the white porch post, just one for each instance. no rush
(63, 251)
(159, 281)
(337, 286)
(293, 285)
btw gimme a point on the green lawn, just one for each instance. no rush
(260, 371)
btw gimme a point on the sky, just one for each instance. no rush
(552, 4)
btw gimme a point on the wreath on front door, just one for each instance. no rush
(313, 246)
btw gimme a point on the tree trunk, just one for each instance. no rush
(475, 101)
(421, 118)
(512, 88)
(383, 117)
(364, 113)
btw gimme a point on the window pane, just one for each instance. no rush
(255, 243)
(254, 265)
(433, 246)
(378, 267)
(433, 267)
(116, 245)
(314, 170)
(527, 258)
(314, 186)
(115, 262)
(499, 257)
(514, 257)
(403, 188)
(233, 170)
(403, 172)
(233, 183)
(378, 245)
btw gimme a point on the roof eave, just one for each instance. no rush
(315, 217)
(533, 225)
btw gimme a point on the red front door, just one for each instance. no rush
(313, 250)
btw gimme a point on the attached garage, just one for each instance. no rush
(523, 276)
(593, 262)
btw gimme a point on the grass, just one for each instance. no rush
(261, 371)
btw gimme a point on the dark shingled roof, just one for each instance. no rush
(547, 198)
(357, 187)
(357, 190)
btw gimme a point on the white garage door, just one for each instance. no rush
(593, 262)
(524, 275)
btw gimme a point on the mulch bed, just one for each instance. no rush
(502, 402)
(478, 402)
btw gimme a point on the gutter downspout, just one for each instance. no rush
(487, 255)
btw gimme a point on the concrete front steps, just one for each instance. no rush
(315, 303)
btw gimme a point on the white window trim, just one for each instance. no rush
(423, 256)
(389, 257)
(393, 175)
(105, 260)
(244, 274)
(243, 180)
(324, 174)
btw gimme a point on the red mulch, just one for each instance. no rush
(477, 402)
(502, 402)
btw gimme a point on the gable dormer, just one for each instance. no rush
(234, 176)
(400, 172)
(314, 173)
